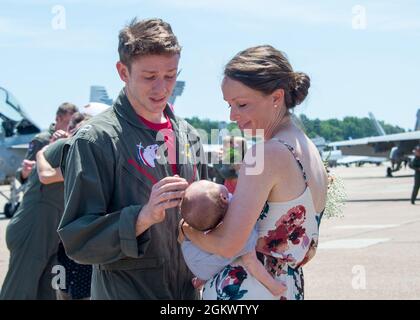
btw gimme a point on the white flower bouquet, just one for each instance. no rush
(336, 196)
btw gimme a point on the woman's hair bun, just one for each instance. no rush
(299, 88)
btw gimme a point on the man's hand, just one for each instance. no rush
(27, 166)
(166, 194)
(59, 134)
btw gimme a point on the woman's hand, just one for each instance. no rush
(27, 166)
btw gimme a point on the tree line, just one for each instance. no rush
(330, 130)
(348, 128)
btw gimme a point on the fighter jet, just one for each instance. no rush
(395, 147)
(16, 131)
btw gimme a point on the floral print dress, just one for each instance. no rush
(288, 237)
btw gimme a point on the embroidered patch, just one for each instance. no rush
(85, 128)
(148, 154)
(187, 150)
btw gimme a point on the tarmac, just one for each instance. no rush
(372, 252)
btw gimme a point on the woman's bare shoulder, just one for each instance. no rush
(271, 151)
(270, 159)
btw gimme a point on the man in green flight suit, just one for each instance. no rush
(62, 118)
(125, 173)
(415, 165)
(31, 235)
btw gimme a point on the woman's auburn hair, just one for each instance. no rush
(266, 69)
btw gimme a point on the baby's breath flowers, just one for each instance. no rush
(336, 196)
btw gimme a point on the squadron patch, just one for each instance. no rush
(85, 128)
(148, 154)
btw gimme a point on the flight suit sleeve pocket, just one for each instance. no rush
(150, 263)
(127, 264)
(131, 245)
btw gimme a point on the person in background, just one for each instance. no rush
(234, 149)
(56, 130)
(415, 165)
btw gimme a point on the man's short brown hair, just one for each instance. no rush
(66, 108)
(146, 37)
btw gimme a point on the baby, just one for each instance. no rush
(203, 207)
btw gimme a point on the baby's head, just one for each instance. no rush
(205, 204)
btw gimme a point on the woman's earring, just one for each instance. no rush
(275, 106)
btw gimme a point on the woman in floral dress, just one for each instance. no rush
(282, 183)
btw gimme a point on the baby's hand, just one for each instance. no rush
(279, 289)
(198, 283)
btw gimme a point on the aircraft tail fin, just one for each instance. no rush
(417, 127)
(377, 125)
(99, 94)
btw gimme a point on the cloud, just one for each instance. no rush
(381, 16)
(17, 28)
(246, 14)
(306, 12)
(23, 34)
(396, 24)
(102, 3)
(391, 17)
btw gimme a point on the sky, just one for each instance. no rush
(361, 56)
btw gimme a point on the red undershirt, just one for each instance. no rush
(169, 139)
